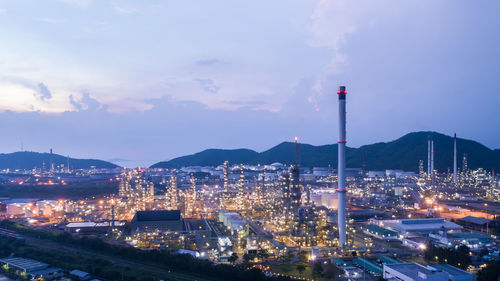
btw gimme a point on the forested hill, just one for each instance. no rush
(402, 153)
(28, 160)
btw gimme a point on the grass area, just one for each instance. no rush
(328, 271)
(420, 260)
(291, 270)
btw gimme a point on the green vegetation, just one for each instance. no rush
(378, 156)
(288, 257)
(490, 272)
(210, 157)
(98, 267)
(300, 268)
(459, 258)
(155, 261)
(318, 271)
(495, 230)
(303, 256)
(247, 258)
(296, 270)
(26, 160)
(417, 259)
(233, 258)
(262, 254)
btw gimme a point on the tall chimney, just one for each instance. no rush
(297, 151)
(67, 165)
(432, 156)
(428, 155)
(455, 159)
(226, 176)
(341, 169)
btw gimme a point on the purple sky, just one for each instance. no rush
(145, 81)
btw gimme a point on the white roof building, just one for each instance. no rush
(417, 272)
(412, 272)
(406, 227)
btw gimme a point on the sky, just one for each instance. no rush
(137, 82)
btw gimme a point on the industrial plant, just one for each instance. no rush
(365, 223)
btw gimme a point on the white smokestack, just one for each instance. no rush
(429, 156)
(341, 169)
(432, 156)
(455, 159)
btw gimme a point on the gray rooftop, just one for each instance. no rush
(79, 273)
(420, 224)
(161, 215)
(27, 265)
(412, 269)
(475, 220)
(451, 270)
(46, 271)
(408, 269)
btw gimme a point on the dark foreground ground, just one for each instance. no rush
(107, 261)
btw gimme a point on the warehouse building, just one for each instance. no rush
(161, 220)
(476, 223)
(31, 268)
(91, 227)
(418, 227)
(380, 232)
(473, 240)
(417, 272)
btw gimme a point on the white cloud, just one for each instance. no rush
(29, 96)
(334, 20)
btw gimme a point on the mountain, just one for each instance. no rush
(30, 160)
(403, 153)
(209, 157)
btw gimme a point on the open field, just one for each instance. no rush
(291, 270)
(307, 274)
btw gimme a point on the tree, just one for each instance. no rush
(288, 257)
(330, 274)
(490, 272)
(233, 258)
(301, 268)
(303, 256)
(459, 257)
(262, 254)
(484, 252)
(247, 258)
(317, 269)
